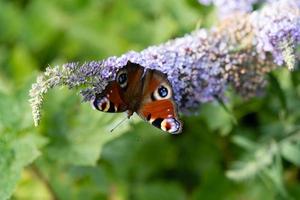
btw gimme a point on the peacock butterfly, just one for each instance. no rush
(144, 91)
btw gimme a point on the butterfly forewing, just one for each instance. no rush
(132, 93)
(161, 114)
(123, 93)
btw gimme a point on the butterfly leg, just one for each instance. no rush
(129, 113)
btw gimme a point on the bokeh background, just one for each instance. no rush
(244, 150)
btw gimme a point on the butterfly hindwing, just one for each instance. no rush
(162, 115)
(158, 107)
(110, 99)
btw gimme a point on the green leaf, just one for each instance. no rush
(15, 112)
(253, 166)
(291, 152)
(217, 118)
(274, 172)
(278, 91)
(15, 155)
(164, 190)
(20, 57)
(244, 142)
(76, 131)
(19, 141)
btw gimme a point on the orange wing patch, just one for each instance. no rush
(162, 115)
(110, 100)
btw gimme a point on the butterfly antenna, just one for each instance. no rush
(118, 124)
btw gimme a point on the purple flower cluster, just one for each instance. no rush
(201, 65)
(228, 7)
(276, 28)
(191, 67)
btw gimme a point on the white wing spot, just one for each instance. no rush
(171, 125)
(106, 102)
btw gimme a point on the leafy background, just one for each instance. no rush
(246, 150)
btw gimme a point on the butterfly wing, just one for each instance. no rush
(157, 106)
(149, 94)
(110, 99)
(122, 94)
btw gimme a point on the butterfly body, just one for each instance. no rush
(146, 92)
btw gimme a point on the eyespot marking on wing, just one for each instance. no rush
(156, 122)
(102, 104)
(171, 125)
(122, 78)
(163, 91)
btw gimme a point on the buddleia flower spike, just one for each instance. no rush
(201, 65)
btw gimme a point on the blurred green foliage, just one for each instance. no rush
(246, 150)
